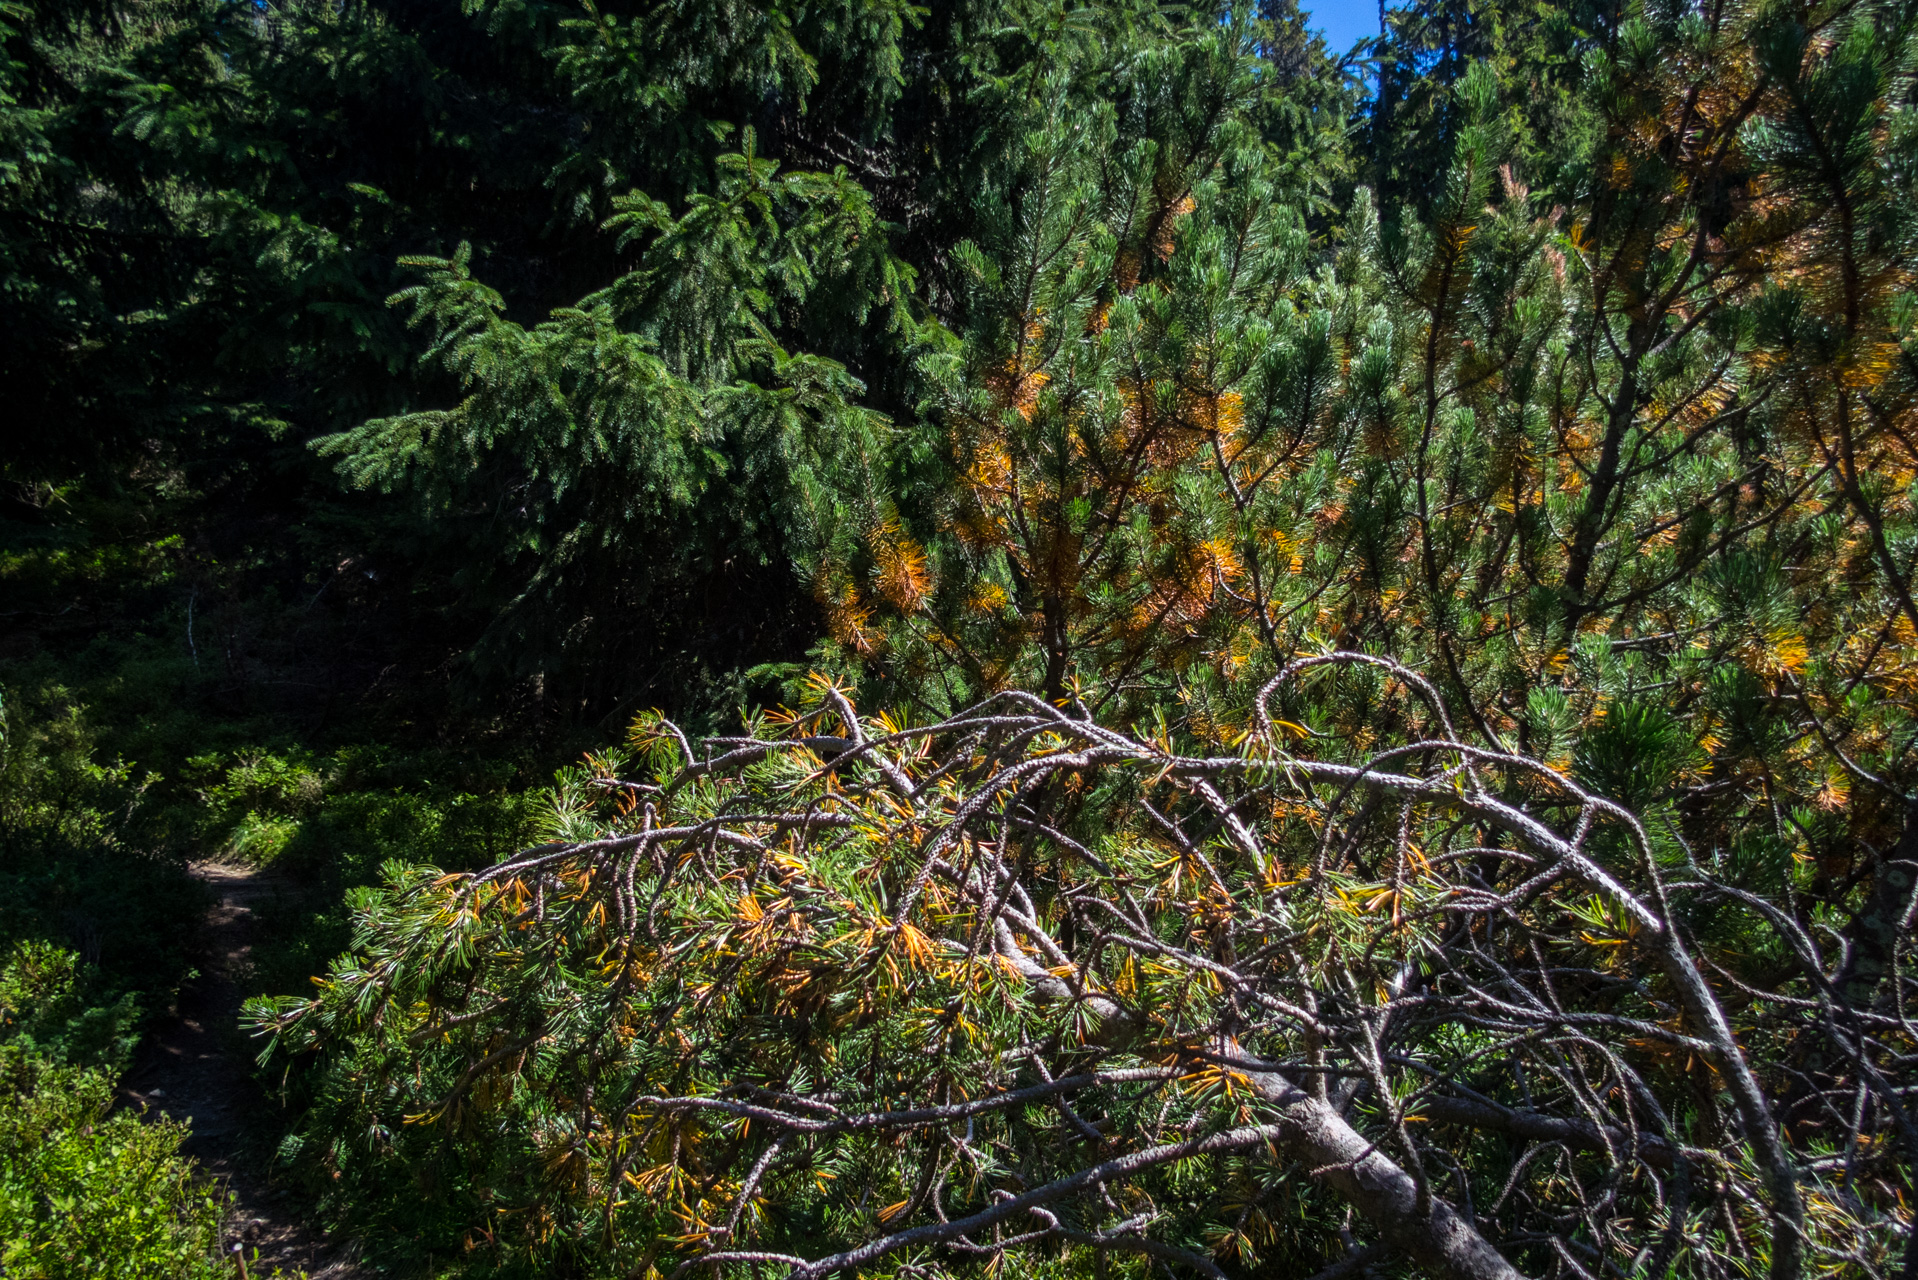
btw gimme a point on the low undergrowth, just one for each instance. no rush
(87, 1191)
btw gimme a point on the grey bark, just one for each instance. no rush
(1312, 1132)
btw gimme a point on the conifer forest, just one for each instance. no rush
(960, 640)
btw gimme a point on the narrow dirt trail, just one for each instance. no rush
(194, 1066)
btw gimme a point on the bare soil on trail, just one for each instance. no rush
(195, 1067)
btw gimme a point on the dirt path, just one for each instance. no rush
(194, 1067)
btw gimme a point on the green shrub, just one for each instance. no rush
(50, 1006)
(88, 1192)
(85, 1191)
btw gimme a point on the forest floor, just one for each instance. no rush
(195, 1067)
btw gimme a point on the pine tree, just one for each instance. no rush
(1124, 321)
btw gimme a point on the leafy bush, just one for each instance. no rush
(50, 1007)
(86, 1191)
